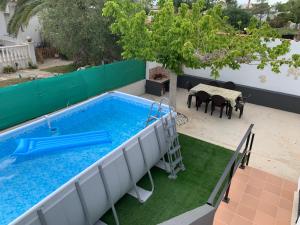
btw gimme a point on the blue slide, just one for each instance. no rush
(32, 146)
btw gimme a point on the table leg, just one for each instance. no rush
(189, 101)
(230, 112)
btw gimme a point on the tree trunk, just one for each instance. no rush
(173, 89)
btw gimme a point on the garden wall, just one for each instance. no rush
(29, 100)
(279, 91)
(287, 81)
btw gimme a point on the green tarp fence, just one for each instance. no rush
(29, 100)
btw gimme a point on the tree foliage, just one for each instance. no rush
(280, 20)
(237, 17)
(290, 10)
(25, 9)
(77, 30)
(261, 9)
(192, 37)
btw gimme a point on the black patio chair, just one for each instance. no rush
(240, 103)
(188, 85)
(214, 83)
(229, 85)
(202, 97)
(218, 101)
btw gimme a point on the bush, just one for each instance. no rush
(32, 66)
(8, 69)
(237, 17)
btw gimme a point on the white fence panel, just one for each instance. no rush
(15, 55)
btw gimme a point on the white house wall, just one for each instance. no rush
(2, 24)
(287, 81)
(33, 29)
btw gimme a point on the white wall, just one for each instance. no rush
(287, 81)
(32, 29)
(2, 24)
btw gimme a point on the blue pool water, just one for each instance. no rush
(26, 181)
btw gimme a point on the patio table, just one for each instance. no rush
(229, 95)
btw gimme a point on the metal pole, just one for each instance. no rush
(108, 194)
(41, 216)
(146, 164)
(226, 198)
(83, 203)
(250, 150)
(159, 144)
(131, 176)
(245, 152)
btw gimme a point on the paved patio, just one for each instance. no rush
(276, 145)
(257, 198)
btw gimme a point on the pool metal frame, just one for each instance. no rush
(86, 197)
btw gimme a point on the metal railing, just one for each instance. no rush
(239, 159)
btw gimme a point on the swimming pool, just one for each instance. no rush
(24, 182)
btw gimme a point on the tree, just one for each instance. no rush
(77, 30)
(280, 20)
(261, 9)
(25, 9)
(290, 10)
(192, 38)
(237, 17)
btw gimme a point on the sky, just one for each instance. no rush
(271, 2)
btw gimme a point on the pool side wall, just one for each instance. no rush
(66, 206)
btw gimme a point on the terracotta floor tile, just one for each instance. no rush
(249, 201)
(257, 198)
(219, 222)
(232, 205)
(272, 188)
(246, 171)
(254, 191)
(256, 182)
(259, 174)
(235, 195)
(283, 215)
(246, 212)
(288, 185)
(287, 194)
(274, 180)
(267, 208)
(238, 220)
(224, 215)
(238, 185)
(281, 222)
(262, 218)
(285, 204)
(270, 198)
(242, 177)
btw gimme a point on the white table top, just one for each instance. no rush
(229, 95)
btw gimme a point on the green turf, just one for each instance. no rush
(61, 69)
(204, 164)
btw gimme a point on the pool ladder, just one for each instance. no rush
(174, 157)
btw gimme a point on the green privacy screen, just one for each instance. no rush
(29, 100)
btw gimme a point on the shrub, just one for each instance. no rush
(32, 66)
(8, 69)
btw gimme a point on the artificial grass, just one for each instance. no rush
(61, 69)
(204, 164)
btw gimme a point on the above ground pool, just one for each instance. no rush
(27, 179)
